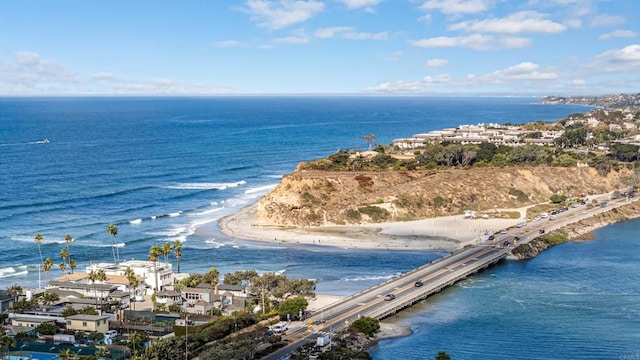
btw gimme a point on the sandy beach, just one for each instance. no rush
(445, 233)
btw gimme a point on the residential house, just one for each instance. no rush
(6, 300)
(84, 322)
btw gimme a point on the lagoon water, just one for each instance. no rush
(168, 168)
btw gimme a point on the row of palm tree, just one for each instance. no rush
(47, 264)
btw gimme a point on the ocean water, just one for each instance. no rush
(575, 301)
(168, 168)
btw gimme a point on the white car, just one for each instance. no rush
(111, 334)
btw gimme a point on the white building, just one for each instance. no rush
(156, 275)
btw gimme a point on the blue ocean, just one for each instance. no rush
(162, 169)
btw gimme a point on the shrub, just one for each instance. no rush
(366, 325)
(374, 212)
(519, 194)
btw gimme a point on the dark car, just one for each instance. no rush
(418, 283)
(389, 297)
(491, 237)
(541, 231)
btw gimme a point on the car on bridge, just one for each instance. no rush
(389, 297)
(418, 283)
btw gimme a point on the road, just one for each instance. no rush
(435, 276)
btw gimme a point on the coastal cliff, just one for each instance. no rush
(580, 230)
(318, 197)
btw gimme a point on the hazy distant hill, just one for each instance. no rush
(608, 101)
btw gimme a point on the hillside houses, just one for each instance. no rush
(481, 133)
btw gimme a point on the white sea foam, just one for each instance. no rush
(135, 222)
(368, 278)
(216, 245)
(205, 186)
(260, 189)
(44, 240)
(207, 212)
(174, 214)
(5, 273)
(102, 244)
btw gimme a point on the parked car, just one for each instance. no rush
(389, 297)
(418, 283)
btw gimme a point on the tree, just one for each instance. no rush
(72, 265)
(95, 276)
(46, 329)
(442, 355)
(67, 354)
(177, 252)
(62, 266)
(38, 240)
(15, 290)
(366, 325)
(211, 277)
(133, 281)
(369, 139)
(48, 298)
(64, 254)
(68, 239)
(68, 311)
(103, 353)
(6, 341)
(154, 254)
(293, 307)
(165, 250)
(48, 264)
(136, 342)
(113, 231)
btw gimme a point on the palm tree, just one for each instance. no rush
(15, 290)
(165, 250)
(64, 254)
(38, 240)
(48, 264)
(177, 251)
(62, 266)
(72, 264)
(113, 231)
(369, 139)
(95, 276)
(68, 239)
(6, 341)
(103, 353)
(67, 354)
(48, 298)
(154, 254)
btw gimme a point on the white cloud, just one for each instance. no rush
(298, 36)
(426, 18)
(618, 60)
(514, 42)
(522, 71)
(227, 43)
(475, 41)
(283, 13)
(436, 63)
(29, 74)
(348, 32)
(573, 23)
(398, 86)
(525, 73)
(356, 4)
(607, 20)
(450, 7)
(395, 56)
(619, 34)
(520, 22)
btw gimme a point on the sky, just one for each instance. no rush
(389, 47)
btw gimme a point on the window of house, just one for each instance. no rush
(84, 324)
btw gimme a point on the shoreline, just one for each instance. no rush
(446, 233)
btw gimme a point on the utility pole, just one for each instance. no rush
(186, 337)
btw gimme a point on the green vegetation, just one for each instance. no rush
(366, 325)
(375, 213)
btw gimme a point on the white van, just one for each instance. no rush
(279, 327)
